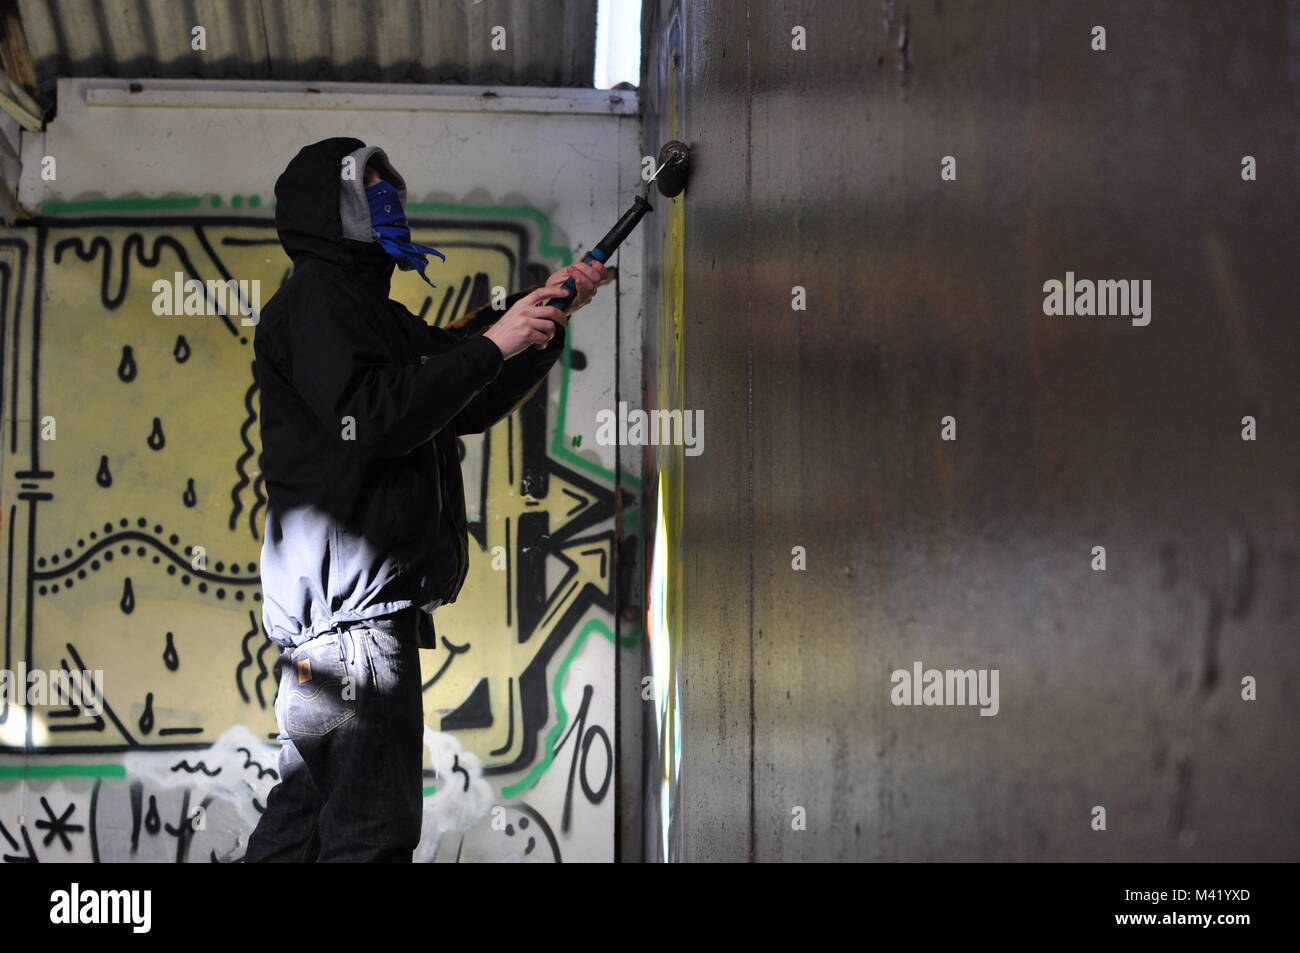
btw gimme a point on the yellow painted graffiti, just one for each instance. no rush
(133, 506)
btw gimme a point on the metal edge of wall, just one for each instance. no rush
(252, 94)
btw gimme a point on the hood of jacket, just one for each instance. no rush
(321, 209)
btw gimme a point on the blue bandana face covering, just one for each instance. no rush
(388, 219)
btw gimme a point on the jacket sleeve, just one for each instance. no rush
(519, 378)
(339, 367)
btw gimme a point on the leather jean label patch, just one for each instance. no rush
(304, 670)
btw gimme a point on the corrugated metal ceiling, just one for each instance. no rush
(549, 43)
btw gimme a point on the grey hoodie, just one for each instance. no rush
(361, 405)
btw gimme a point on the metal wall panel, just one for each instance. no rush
(1120, 689)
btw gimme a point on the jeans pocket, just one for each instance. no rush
(324, 693)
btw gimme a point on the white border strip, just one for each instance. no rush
(253, 94)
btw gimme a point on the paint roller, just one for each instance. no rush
(670, 178)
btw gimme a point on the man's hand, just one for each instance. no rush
(588, 276)
(531, 321)
(528, 322)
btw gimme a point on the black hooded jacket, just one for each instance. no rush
(361, 404)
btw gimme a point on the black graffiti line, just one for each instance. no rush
(599, 508)
(581, 744)
(137, 811)
(132, 244)
(94, 822)
(58, 826)
(244, 307)
(150, 539)
(510, 453)
(184, 831)
(596, 796)
(555, 606)
(247, 659)
(6, 276)
(544, 827)
(262, 673)
(9, 611)
(457, 769)
(510, 718)
(259, 501)
(452, 652)
(38, 313)
(196, 768)
(582, 504)
(96, 725)
(97, 722)
(27, 842)
(4, 831)
(21, 246)
(460, 298)
(243, 481)
(573, 569)
(250, 763)
(29, 628)
(604, 555)
(98, 750)
(108, 709)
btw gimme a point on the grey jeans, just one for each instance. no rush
(351, 717)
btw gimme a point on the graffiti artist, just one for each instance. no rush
(361, 407)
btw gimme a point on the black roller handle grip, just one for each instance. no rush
(605, 248)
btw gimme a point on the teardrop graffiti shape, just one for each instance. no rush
(128, 597)
(152, 822)
(156, 438)
(170, 657)
(126, 368)
(102, 476)
(189, 496)
(182, 349)
(146, 716)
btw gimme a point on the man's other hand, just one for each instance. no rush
(588, 276)
(530, 321)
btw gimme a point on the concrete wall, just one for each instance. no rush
(131, 441)
(774, 732)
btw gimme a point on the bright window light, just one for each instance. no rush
(618, 43)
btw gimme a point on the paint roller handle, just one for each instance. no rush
(605, 248)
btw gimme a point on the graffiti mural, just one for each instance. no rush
(132, 515)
